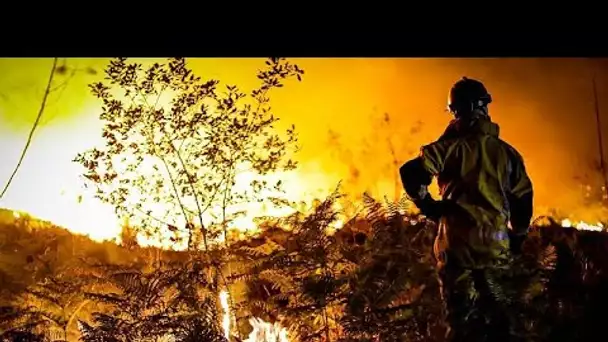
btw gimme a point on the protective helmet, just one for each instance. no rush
(466, 95)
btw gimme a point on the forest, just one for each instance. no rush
(175, 148)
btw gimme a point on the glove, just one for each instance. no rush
(430, 208)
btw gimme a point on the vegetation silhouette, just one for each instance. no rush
(50, 88)
(372, 280)
(175, 144)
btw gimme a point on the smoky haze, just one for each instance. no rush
(380, 111)
(358, 119)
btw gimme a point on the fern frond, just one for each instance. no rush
(266, 249)
(497, 290)
(278, 280)
(392, 208)
(375, 212)
(261, 305)
(21, 336)
(404, 203)
(547, 258)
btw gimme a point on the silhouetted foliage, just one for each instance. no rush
(21, 336)
(175, 144)
(394, 289)
(47, 308)
(169, 302)
(372, 280)
(345, 286)
(19, 324)
(305, 278)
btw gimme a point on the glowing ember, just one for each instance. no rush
(226, 316)
(266, 332)
(583, 225)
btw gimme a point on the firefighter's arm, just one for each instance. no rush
(417, 174)
(520, 197)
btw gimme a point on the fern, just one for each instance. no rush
(154, 305)
(19, 323)
(49, 306)
(373, 280)
(297, 271)
(392, 289)
(21, 336)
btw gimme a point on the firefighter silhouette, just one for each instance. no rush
(483, 215)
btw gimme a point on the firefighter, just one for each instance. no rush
(483, 215)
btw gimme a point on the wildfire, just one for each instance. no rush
(583, 225)
(226, 316)
(262, 330)
(266, 332)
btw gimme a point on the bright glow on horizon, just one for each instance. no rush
(335, 94)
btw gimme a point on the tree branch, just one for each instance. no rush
(30, 136)
(198, 205)
(200, 214)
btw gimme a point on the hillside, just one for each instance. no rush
(31, 249)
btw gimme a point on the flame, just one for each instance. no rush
(294, 190)
(262, 330)
(71, 125)
(61, 199)
(266, 332)
(583, 225)
(226, 315)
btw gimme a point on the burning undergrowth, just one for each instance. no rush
(298, 280)
(182, 160)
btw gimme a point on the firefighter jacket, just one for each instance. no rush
(485, 192)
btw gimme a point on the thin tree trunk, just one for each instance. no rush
(600, 140)
(31, 135)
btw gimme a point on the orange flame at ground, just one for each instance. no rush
(266, 332)
(226, 315)
(583, 225)
(262, 330)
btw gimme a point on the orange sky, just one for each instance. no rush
(544, 108)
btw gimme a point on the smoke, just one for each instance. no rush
(544, 108)
(358, 119)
